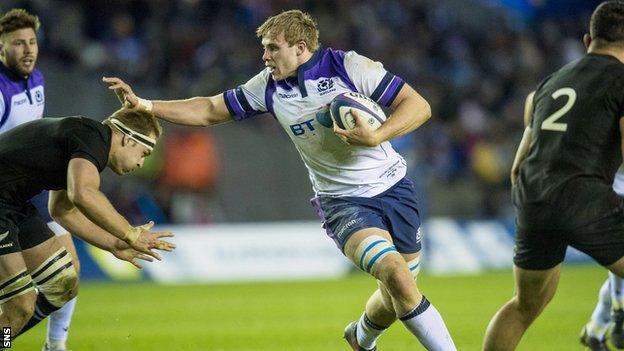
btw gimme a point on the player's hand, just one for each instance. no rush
(147, 241)
(360, 135)
(126, 253)
(123, 91)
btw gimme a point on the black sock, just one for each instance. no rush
(43, 308)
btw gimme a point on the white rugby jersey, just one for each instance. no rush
(618, 182)
(21, 100)
(301, 105)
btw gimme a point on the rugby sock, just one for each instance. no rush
(43, 308)
(58, 325)
(617, 291)
(427, 325)
(597, 326)
(368, 332)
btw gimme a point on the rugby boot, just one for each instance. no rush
(592, 343)
(616, 336)
(47, 347)
(350, 335)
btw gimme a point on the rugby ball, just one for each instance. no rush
(367, 108)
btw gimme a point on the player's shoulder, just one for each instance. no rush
(354, 61)
(259, 82)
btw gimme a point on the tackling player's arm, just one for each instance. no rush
(523, 148)
(196, 111)
(69, 217)
(410, 111)
(83, 190)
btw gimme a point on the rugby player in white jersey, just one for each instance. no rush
(609, 311)
(365, 202)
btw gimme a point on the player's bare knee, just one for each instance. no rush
(530, 306)
(56, 278)
(398, 280)
(20, 309)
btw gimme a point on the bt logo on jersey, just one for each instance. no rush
(300, 128)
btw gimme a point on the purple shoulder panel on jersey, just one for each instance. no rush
(268, 95)
(327, 63)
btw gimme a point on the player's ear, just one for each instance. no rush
(586, 40)
(301, 47)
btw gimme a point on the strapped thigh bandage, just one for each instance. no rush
(371, 250)
(56, 277)
(17, 285)
(414, 266)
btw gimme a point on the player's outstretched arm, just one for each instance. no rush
(523, 148)
(68, 216)
(197, 111)
(83, 191)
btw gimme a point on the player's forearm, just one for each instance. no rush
(408, 115)
(96, 207)
(196, 111)
(79, 225)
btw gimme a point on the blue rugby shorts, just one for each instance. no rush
(395, 210)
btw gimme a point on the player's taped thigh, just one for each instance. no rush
(16, 285)
(414, 266)
(56, 277)
(371, 251)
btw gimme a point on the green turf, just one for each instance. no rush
(304, 315)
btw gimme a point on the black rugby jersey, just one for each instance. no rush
(34, 156)
(575, 130)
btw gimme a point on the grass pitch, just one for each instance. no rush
(305, 316)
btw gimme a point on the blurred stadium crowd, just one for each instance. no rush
(473, 60)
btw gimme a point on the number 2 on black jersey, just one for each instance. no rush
(550, 123)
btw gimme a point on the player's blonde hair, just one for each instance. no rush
(140, 121)
(16, 19)
(296, 25)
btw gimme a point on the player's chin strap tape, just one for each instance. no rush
(17, 285)
(142, 139)
(371, 250)
(56, 277)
